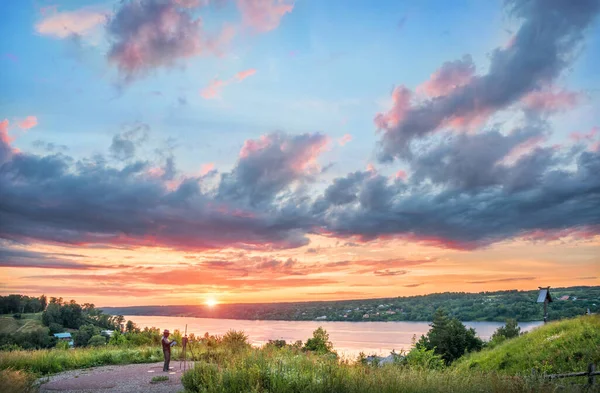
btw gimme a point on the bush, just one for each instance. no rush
(17, 316)
(425, 359)
(235, 340)
(62, 344)
(97, 340)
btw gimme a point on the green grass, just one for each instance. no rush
(27, 323)
(49, 361)
(288, 371)
(558, 347)
(160, 378)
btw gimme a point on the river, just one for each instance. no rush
(348, 338)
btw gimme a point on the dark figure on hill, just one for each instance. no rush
(166, 346)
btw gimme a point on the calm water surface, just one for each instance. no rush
(348, 338)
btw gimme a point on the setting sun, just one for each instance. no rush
(211, 302)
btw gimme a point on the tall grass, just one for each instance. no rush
(48, 361)
(16, 382)
(287, 371)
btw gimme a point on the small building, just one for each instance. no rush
(65, 337)
(321, 318)
(544, 297)
(107, 333)
(366, 316)
(566, 297)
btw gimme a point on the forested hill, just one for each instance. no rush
(483, 306)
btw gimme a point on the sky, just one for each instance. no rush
(233, 151)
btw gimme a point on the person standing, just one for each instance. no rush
(166, 346)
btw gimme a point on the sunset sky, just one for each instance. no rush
(175, 151)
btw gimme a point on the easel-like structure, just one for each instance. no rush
(184, 342)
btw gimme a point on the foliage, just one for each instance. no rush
(13, 381)
(510, 330)
(484, 306)
(72, 315)
(130, 327)
(319, 342)
(56, 328)
(16, 304)
(425, 359)
(449, 338)
(62, 344)
(159, 378)
(287, 371)
(96, 341)
(235, 340)
(49, 361)
(84, 334)
(34, 339)
(557, 347)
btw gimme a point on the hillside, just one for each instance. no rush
(483, 306)
(27, 323)
(563, 346)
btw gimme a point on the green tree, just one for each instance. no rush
(510, 330)
(130, 327)
(319, 342)
(83, 335)
(43, 302)
(449, 338)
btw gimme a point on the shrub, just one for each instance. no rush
(96, 341)
(17, 316)
(62, 344)
(16, 382)
(426, 359)
(159, 378)
(235, 340)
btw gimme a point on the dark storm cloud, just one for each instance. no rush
(550, 32)
(22, 258)
(57, 199)
(269, 165)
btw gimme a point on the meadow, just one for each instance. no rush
(229, 364)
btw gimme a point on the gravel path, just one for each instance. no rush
(131, 378)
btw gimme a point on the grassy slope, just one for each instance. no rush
(562, 346)
(27, 323)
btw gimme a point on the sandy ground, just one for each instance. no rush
(131, 378)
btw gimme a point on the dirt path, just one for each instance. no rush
(131, 378)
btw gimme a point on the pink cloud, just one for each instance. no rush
(263, 15)
(213, 90)
(206, 168)
(345, 139)
(451, 75)
(549, 100)
(401, 175)
(401, 98)
(4, 137)
(65, 24)
(587, 136)
(244, 74)
(28, 122)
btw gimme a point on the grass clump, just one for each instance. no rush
(557, 347)
(159, 378)
(16, 381)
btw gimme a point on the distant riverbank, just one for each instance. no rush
(348, 338)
